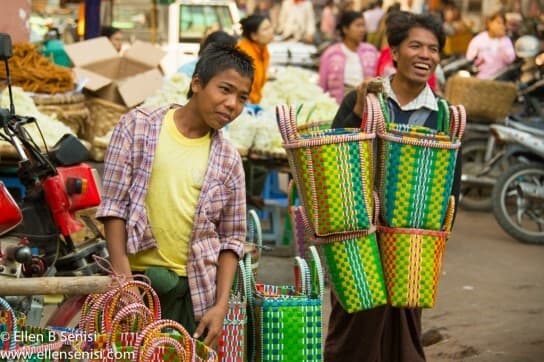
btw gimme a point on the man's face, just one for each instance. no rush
(417, 56)
(222, 99)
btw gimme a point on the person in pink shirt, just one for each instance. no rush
(492, 50)
(328, 20)
(346, 64)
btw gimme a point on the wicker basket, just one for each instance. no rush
(104, 116)
(488, 100)
(69, 108)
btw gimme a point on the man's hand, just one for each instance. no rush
(371, 85)
(212, 322)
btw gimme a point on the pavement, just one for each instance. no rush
(490, 302)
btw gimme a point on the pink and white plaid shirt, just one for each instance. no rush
(220, 218)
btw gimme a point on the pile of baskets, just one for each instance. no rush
(382, 236)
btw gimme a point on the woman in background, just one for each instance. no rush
(346, 64)
(492, 50)
(115, 36)
(257, 33)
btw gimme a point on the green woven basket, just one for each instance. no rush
(287, 319)
(333, 172)
(416, 169)
(355, 270)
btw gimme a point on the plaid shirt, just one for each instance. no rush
(220, 218)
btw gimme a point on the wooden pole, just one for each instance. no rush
(55, 285)
(154, 21)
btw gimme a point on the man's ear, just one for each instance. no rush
(196, 84)
(395, 53)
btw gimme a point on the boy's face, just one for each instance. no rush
(223, 98)
(417, 56)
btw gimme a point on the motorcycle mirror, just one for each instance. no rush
(6, 50)
(68, 151)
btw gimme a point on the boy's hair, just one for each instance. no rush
(217, 37)
(346, 19)
(217, 58)
(399, 23)
(251, 25)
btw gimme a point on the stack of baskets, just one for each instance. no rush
(333, 171)
(104, 116)
(397, 262)
(70, 109)
(414, 182)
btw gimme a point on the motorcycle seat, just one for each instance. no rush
(534, 128)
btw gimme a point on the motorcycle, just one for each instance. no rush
(518, 194)
(479, 147)
(35, 233)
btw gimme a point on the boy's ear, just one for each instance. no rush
(196, 84)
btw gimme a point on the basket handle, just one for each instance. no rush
(376, 113)
(125, 294)
(156, 343)
(286, 119)
(12, 325)
(134, 309)
(156, 326)
(462, 121)
(316, 270)
(302, 276)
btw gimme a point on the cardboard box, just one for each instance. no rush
(126, 79)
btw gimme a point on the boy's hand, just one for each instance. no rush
(212, 321)
(372, 85)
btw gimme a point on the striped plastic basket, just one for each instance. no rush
(412, 261)
(333, 171)
(355, 271)
(232, 343)
(416, 167)
(287, 319)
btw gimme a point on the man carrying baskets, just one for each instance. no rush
(388, 333)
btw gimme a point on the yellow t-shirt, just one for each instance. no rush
(178, 171)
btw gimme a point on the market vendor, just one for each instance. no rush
(257, 33)
(385, 333)
(54, 47)
(173, 201)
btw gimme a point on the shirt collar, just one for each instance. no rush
(425, 99)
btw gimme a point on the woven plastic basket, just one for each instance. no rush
(288, 319)
(416, 168)
(332, 170)
(355, 269)
(412, 262)
(484, 99)
(232, 343)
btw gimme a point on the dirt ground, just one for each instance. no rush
(490, 304)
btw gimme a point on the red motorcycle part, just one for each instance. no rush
(73, 189)
(10, 213)
(67, 310)
(81, 186)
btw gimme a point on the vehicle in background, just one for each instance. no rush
(180, 27)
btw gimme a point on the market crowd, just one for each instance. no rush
(174, 189)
